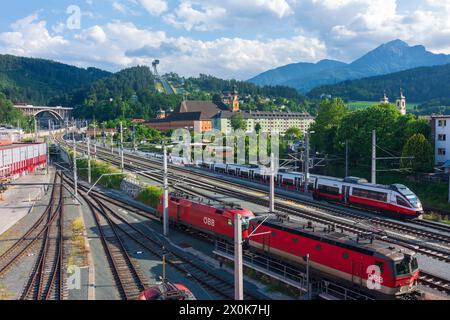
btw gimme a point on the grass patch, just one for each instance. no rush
(78, 253)
(5, 294)
(436, 217)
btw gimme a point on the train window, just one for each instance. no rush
(402, 202)
(345, 255)
(370, 194)
(318, 247)
(380, 264)
(328, 189)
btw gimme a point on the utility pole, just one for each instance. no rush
(346, 158)
(75, 174)
(449, 184)
(134, 137)
(166, 195)
(121, 146)
(48, 148)
(112, 143)
(35, 131)
(306, 165)
(272, 184)
(374, 157)
(18, 128)
(95, 140)
(308, 292)
(88, 139)
(238, 272)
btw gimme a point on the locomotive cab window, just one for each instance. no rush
(402, 202)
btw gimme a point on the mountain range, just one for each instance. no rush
(388, 58)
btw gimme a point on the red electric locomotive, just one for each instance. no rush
(212, 218)
(340, 257)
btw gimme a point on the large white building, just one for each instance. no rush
(441, 129)
(267, 120)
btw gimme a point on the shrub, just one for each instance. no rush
(151, 196)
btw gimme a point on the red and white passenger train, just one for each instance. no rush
(336, 255)
(394, 199)
(19, 159)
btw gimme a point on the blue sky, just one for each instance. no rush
(226, 38)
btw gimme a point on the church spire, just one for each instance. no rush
(401, 103)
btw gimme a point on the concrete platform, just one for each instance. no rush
(18, 201)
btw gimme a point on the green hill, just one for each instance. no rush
(38, 81)
(419, 85)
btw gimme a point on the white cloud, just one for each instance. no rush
(205, 18)
(117, 45)
(154, 7)
(30, 35)
(207, 15)
(94, 34)
(119, 6)
(352, 27)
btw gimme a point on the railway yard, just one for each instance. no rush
(105, 245)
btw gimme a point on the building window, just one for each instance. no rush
(441, 152)
(442, 123)
(442, 137)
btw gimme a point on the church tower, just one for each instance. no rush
(385, 99)
(401, 103)
(234, 101)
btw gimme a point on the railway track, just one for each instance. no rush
(413, 227)
(434, 282)
(47, 276)
(310, 210)
(46, 281)
(425, 279)
(221, 287)
(127, 275)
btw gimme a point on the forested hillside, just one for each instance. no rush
(419, 85)
(38, 81)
